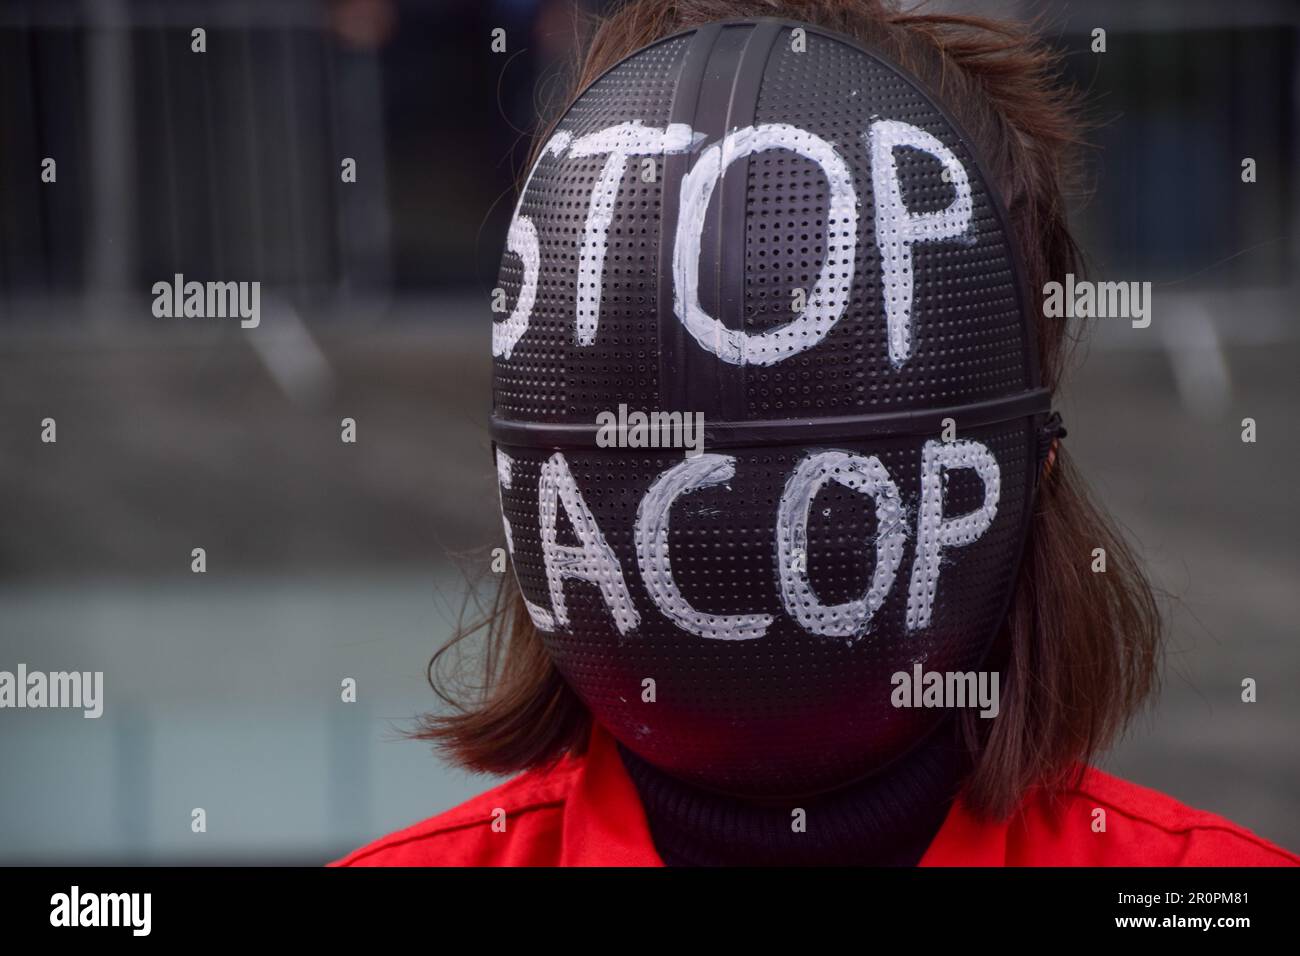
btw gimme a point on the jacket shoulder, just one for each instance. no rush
(1143, 827)
(533, 804)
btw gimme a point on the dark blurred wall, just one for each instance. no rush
(227, 162)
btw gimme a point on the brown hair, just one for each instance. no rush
(1079, 649)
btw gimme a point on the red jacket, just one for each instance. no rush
(584, 811)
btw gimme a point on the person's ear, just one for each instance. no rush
(1050, 461)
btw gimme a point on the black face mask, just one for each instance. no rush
(766, 225)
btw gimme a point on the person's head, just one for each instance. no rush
(855, 318)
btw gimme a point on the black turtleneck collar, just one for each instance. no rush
(885, 820)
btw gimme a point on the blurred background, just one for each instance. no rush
(328, 560)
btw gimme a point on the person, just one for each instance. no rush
(802, 573)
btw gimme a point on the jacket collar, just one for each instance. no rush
(604, 822)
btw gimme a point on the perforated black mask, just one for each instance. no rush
(765, 224)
